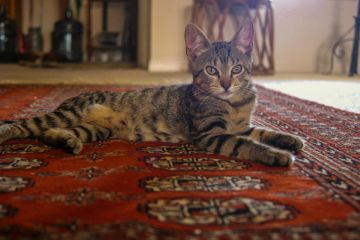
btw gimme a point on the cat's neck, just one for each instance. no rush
(249, 93)
(203, 96)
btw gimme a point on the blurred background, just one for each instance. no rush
(304, 31)
(142, 41)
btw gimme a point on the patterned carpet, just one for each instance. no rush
(122, 190)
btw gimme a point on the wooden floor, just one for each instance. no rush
(333, 90)
(87, 74)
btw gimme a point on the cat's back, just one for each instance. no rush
(145, 114)
(154, 97)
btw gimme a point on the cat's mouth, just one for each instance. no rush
(226, 94)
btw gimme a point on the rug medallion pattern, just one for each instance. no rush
(151, 190)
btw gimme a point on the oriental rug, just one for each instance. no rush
(151, 190)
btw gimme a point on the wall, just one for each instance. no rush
(305, 31)
(144, 33)
(168, 21)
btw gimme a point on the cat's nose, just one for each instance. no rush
(225, 85)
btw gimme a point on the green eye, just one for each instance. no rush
(237, 69)
(211, 70)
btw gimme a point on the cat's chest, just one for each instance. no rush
(238, 119)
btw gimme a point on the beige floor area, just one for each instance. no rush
(341, 92)
(87, 74)
(334, 90)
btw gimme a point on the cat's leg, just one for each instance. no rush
(91, 132)
(63, 138)
(277, 139)
(35, 127)
(244, 148)
(71, 139)
(15, 129)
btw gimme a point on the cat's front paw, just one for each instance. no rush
(298, 143)
(277, 158)
(287, 142)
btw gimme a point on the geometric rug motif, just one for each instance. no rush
(152, 190)
(182, 183)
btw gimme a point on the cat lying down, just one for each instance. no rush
(214, 112)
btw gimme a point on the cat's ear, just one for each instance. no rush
(196, 41)
(243, 39)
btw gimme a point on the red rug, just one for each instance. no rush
(122, 190)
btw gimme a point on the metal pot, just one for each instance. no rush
(8, 38)
(67, 39)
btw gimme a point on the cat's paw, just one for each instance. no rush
(287, 142)
(5, 132)
(277, 158)
(63, 138)
(73, 144)
(298, 143)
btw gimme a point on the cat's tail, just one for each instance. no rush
(35, 127)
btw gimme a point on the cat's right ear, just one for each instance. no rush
(243, 39)
(196, 41)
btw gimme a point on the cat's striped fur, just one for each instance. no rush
(214, 112)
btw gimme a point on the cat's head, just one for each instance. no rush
(222, 69)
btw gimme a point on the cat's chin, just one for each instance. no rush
(225, 95)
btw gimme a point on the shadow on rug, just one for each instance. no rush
(147, 190)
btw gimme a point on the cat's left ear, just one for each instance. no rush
(243, 39)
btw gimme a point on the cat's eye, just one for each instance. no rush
(211, 70)
(237, 69)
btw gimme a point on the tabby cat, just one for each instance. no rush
(214, 112)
